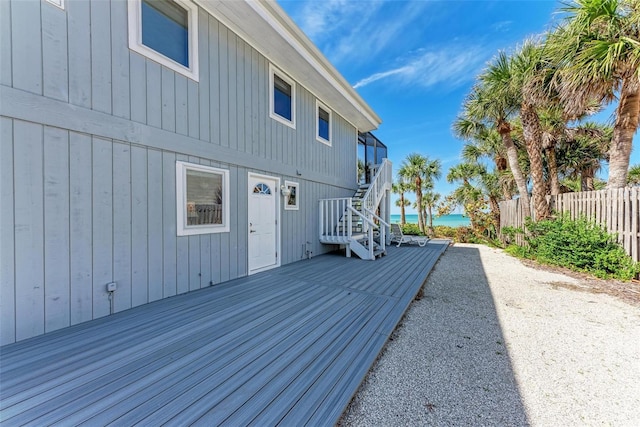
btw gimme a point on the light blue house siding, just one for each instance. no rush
(90, 135)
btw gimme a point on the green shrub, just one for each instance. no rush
(412, 229)
(444, 231)
(579, 244)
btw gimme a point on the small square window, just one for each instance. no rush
(323, 123)
(292, 201)
(202, 194)
(282, 97)
(166, 31)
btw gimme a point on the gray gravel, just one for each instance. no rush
(494, 342)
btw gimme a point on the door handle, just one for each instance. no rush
(252, 231)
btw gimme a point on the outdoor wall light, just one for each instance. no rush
(285, 191)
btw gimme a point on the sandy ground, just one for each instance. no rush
(497, 342)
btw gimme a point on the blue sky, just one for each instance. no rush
(414, 61)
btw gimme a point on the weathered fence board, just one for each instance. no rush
(617, 210)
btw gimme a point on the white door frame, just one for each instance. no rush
(276, 191)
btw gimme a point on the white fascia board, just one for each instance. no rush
(234, 15)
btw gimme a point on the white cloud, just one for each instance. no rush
(502, 26)
(447, 66)
(352, 30)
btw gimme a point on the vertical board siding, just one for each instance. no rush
(7, 230)
(154, 224)
(101, 86)
(29, 229)
(154, 94)
(122, 225)
(5, 44)
(80, 220)
(168, 96)
(110, 205)
(79, 46)
(54, 53)
(222, 93)
(138, 85)
(102, 210)
(26, 46)
(203, 84)
(139, 229)
(182, 110)
(56, 229)
(169, 225)
(120, 60)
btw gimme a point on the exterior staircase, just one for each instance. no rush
(354, 222)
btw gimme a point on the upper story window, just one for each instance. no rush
(166, 31)
(282, 97)
(323, 123)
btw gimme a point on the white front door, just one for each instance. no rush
(263, 222)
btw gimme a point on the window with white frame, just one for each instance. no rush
(202, 194)
(292, 200)
(166, 31)
(282, 97)
(323, 123)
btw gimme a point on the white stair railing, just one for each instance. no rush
(336, 219)
(335, 226)
(379, 185)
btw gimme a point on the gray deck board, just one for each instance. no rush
(289, 346)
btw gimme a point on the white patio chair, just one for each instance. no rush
(398, 237)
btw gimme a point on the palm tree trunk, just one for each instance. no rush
(533, 139)
(431, 231)
(495, 213)
(501, 166)
(420, 215)
(403, 218)
(512, 155)
(587, 176)
(626, 124)
(554, 182)
(419, 204)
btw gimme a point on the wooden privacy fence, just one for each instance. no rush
(617, 210)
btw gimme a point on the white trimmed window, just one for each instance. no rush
(282, 97)
(166, 31)
(323, 123)
(292, 201)
(202, 195)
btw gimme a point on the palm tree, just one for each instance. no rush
(466, 193)
(581, 153)
(527, 66)
(492, 101)
(430, 201)
(417, 169)
(598, 51)
(633, 177)
(484, 142)
(401, 187)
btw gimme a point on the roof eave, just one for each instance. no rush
(268, 29)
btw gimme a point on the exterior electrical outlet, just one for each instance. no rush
(111, 287)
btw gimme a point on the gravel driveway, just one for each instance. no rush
(494, 342)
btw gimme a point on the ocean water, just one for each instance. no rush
(453, 220)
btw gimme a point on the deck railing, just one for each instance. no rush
(380, 183)
(335, 226)
(337, 214)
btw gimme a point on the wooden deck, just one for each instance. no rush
(289, 346)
